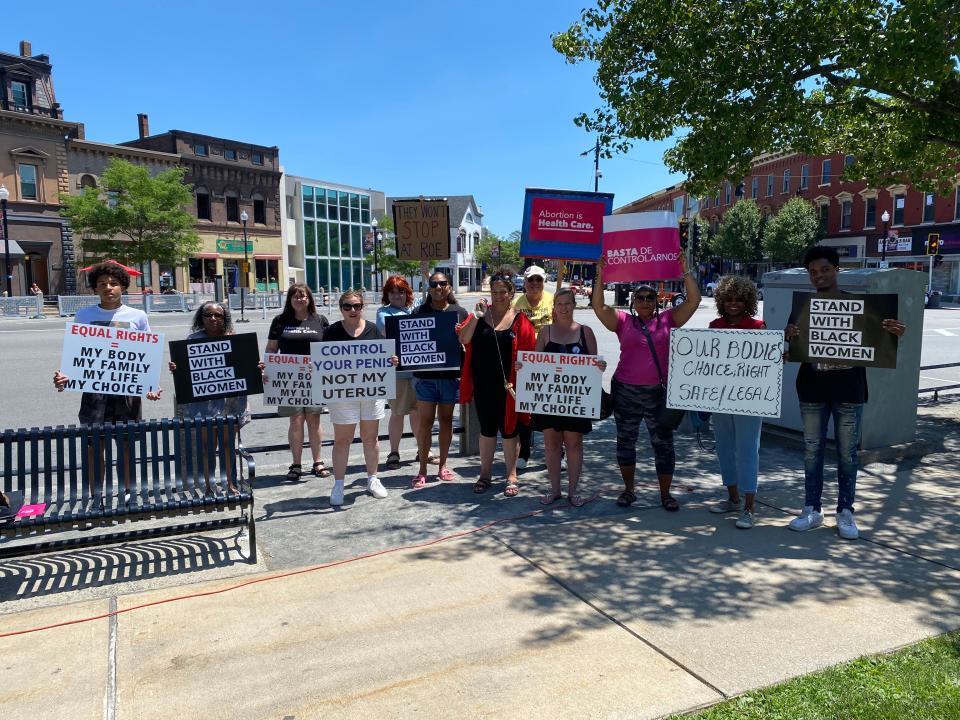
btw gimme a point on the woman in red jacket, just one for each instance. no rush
(492, 336)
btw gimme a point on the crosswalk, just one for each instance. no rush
(945, 332)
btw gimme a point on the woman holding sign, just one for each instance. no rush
(738, 436)
(560, 432)
(639, 386)
(492, 336)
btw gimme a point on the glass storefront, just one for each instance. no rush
(334, 225)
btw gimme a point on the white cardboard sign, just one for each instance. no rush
(345, 370)
(289, 380)
(562, 384)
(727, 371)
(111, 360)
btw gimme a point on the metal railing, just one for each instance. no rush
(938, 388)
(150, 303)
(30, 306)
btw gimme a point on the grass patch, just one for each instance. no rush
(921, 682)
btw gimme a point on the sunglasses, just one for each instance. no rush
(644, 298)
(438, 283)
(219, 316)
(535, 279)
(351, 306)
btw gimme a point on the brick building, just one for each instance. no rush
(850, 212)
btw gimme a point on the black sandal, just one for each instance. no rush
(294, 472)
(670, 503)
(393, 460)
(626, 499)
(320, 470)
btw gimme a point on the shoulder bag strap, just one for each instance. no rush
(653, 351)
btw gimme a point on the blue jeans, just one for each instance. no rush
(846, 428)
(738, 449)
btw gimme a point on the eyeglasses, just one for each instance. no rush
(351, 306)
(438, 283)
(644, 298)
(218, 316)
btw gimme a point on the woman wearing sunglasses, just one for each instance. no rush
(639, 386)
(492, 336)
(347, 414)
(437, 391)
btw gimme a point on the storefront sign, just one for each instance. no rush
(844, 329)
(563, 224)
(226, 245)
(641, 246)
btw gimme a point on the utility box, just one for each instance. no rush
(890, 415)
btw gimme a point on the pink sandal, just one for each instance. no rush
(446, 474)
(418, 482)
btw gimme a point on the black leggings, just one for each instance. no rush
(633, 404)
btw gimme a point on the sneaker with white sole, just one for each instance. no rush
(745, 521)
(846, 526)
(336, 495)
(376, 488)
(727, 506)
(521, 464)
(808, 520)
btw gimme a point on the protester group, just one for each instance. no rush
(489, 339)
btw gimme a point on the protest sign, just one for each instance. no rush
(641, 246)
(211, 368)
(352, 370)
(844, 329)
(729, 371)
(559, 384)
(289, 380)
(563, 224)
(111, 360)
(425, 341)
(422, 228)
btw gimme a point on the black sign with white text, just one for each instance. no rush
(425, 341)
(844, 329)
(210, 368)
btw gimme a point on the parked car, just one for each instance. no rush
(518, 282)
(710, 288)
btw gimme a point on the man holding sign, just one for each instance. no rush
(825, 390)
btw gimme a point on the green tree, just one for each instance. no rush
(386, 254)
(733, 80)
(509, 252)
(739, 235)
(791, 231)
(135, 218)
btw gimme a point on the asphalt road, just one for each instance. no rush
(30, 352)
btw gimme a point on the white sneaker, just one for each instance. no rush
(521, 464)
(846, 526)
(727, 506)
(808, 520)
(745, 521)
(336, 495)
(376, 488)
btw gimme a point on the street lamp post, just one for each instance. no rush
(4, 195)
(885, 218)
(246, 269)
(376, 254)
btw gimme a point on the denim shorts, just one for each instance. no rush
(442, 391)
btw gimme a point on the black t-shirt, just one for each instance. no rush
(428, 309)
(295, 335)
(338, 332)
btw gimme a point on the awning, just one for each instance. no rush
(206, 256)
(15, 249)
(258, 256)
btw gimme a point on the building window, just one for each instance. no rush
(804, 177)
(229, 154)
(233, 208)
(824, 216)
(870, 219)
(786, 181)
(929, 204)
(28, 181)
(717, 201)
(88, 181)
(200, 149)
(899, 203)
(846, 210)
(259, 211)
(848, 160)
(256, 158)
(755, 188)
(956, 204)
(769, 185)
(20, 93)
(203, 204)
(825, 172)
(726, 194)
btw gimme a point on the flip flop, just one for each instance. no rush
(550, 498)
(576, 501)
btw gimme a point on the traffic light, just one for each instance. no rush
(933, 244)
(684, 232)
(696, 238)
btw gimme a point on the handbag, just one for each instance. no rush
(669, 418)
(606, 404)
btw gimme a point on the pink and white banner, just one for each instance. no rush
(641, 246)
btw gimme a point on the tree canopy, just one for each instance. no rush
(791, 231)
(739, 234)
(509, 252)
(135, 218)
(735, 80)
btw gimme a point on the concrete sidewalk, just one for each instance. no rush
(590, 612)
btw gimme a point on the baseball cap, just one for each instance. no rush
(534, 271)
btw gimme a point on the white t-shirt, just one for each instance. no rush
(123, 317)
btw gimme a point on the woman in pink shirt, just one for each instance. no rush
(639, 385)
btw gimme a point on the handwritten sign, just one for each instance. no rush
(210, 368)
(844, 329)
(563, 224)
(110, 360)
(289, 380)
(425, 341)
(423, 229)
(559, 384)
(352, 370)
(729, 371)
(641, 246)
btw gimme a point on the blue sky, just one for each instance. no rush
(417, 98)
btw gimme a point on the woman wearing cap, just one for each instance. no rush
(639, 383)
(537, 304)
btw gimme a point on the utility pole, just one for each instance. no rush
(596, 163)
